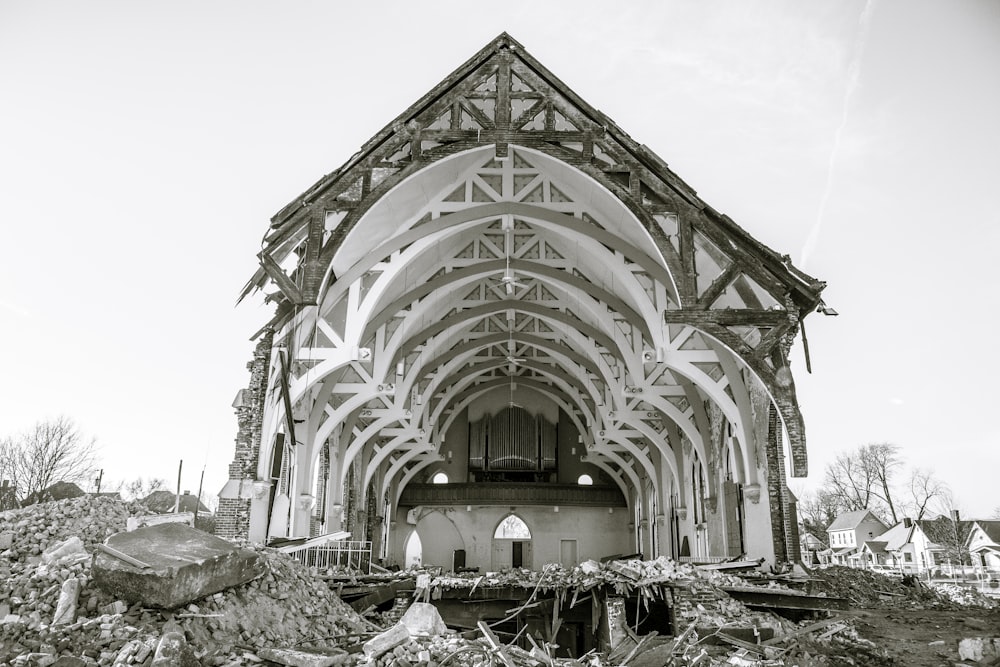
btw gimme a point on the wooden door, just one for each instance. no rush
(567, 553)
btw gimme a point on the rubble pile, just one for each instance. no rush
(50, 606)
(964, 596)
(865, 588)
(52, 609)
(418, 650)
(621, 575)
(37, 527)
(843, 647)
(286, 606)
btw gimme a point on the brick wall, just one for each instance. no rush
(232, 519)
(685, 598)
(318, 517)
(775, 476)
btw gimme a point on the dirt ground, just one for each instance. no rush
(911, 636)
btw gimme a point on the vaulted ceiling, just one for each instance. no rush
(504, 235)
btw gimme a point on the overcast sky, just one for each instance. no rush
(145, 145)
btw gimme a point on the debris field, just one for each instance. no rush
(53, 612)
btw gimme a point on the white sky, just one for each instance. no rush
(145, 145)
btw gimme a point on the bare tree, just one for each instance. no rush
(817, 511)
(849, 481)
(52, 451)
(141, 487)
(882, 459)
(952, 532)
(926, 490)
(863, 479)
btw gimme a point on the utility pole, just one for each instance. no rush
(177, 498)
(197, 502)
(97, 481)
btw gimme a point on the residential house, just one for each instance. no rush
(848, 533)
(984, 545)
(925, 545)
(873, 552)
(810, 546)
(945, 542)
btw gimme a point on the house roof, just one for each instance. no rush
(811, 540)
(851, 520)
(162, 502)
(943, 531)
(991, 528)
(844, 551)
(875, 546)
(58, 491)
(896, 537)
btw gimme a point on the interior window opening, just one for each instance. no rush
(512, 528)
(414, 551)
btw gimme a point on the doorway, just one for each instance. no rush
(567, 553)
(511, 544)
(414, 552)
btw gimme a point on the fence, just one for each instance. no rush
(342, 554)
(704, 560)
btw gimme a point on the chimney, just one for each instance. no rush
(954, 516)
(907, 522)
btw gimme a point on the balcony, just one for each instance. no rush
(568, 495)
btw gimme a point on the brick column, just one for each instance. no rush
(784, 531)
(233, 516)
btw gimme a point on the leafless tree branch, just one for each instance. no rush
(52, 451)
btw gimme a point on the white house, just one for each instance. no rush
(984, 545)
(848, 533)
(927, 544)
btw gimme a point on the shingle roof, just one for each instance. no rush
(850, 520)
(943, 531)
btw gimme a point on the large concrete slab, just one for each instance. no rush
(171, 564)
(423, 620)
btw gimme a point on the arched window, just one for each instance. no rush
(512, 528)
(414, 551)
(585, 480)
(439, 478)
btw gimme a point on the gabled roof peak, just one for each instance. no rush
(851, 520)
(504, 40)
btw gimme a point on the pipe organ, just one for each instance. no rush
(512, 440)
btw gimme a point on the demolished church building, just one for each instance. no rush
(507, 334)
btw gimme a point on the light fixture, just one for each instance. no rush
(826, 310)
(555, 508)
